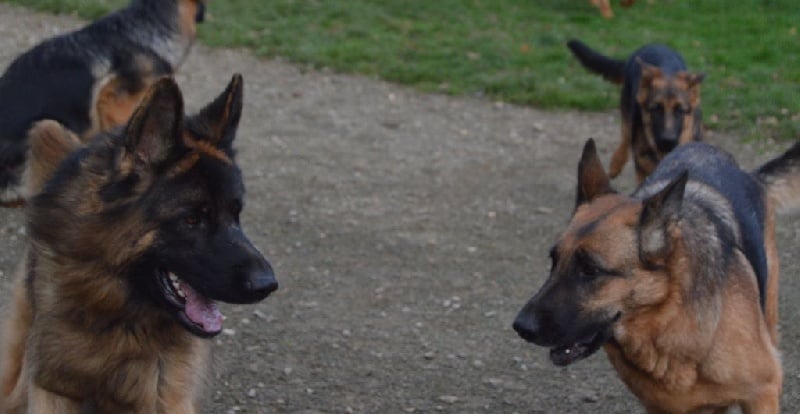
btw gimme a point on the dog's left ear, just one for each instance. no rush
(222, 115)
(593, 180)
(694, 80)
(659, 213)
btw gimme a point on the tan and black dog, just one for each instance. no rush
(660, 103)
(677, 282)
(134, 237)
(92, 79)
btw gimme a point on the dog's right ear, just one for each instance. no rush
(49, 143)
(593, 180)
(649, 73)
(154, 132)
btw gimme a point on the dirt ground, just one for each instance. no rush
(406, 231)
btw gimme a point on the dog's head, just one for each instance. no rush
(669, 106)
(158, 202)
(608, 264)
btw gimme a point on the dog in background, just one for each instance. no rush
(660, 103)
(134, 237)
(677, 282)
(92, 79)
(605, 6)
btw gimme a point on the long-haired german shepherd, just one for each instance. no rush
(677, 282)
(133, 238)
(660, 103)
(91, 79)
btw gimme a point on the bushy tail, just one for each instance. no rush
(781, 178)
(612, 70)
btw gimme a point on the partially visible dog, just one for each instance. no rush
(134, 236)
(660, 103)
(677, 282)
(92, 79)
(605, 6)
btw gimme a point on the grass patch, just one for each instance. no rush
(513, 50)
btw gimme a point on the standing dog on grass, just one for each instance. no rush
(660, 103)
(677, 282)
(92, 79)
(133, 238)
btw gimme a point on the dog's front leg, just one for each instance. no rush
(41, 401)
(620, 157)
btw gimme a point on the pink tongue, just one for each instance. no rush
(201, 310)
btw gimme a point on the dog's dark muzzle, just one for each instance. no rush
(666, 144)
(529, 328)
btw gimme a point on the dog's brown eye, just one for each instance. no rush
(192, 220)
(196, 217)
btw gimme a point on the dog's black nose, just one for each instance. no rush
(260, 283)
(527, 327)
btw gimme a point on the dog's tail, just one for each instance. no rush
(613, 70)
(781, 178)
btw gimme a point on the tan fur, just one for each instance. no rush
(114, 105)
(605, 6)
(49, 143)
(187, 9)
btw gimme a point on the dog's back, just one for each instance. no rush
(63, 77)
(721, 193)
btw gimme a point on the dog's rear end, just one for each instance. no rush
(90, 80)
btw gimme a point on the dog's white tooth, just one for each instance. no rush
(172, 277)
(566, 351)
(181, 294)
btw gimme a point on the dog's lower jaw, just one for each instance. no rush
(13, 196)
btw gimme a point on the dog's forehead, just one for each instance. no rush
(605, 218)
(670, 88)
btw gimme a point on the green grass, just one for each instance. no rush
(513, 50)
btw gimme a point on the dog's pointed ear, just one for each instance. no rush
(154, 132)
(649, 72)
(659, 212)
(593, 180)
(694, 80)
(222, 115)
(49, 143)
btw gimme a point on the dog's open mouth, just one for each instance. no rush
(199, 314)
(565, 355)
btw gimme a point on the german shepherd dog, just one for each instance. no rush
(134, 237)
(91, 79)
(660, 103)
(677, 282)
